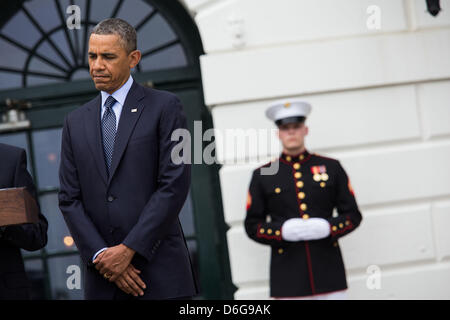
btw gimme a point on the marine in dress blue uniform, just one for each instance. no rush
(292, 211)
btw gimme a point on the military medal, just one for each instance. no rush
(319, 173)
(316, 175)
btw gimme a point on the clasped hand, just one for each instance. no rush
(115, 265)
(297, 229)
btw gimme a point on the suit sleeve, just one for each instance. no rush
(85, 234)
(256, 226)
(33, 236)
(349, 217)
(165, 204)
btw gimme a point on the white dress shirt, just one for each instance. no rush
(120, 95)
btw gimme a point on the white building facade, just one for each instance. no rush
(377, 73)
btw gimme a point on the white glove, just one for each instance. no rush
(297, 229)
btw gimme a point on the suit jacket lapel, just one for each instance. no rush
(94, 135)
(127, 122)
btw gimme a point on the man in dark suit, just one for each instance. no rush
(121, 193)
(13, 280)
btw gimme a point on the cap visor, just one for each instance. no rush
(289, 120)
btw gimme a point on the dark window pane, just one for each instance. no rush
(47, 147)
(102, 9)
(10, 80)
(18, 140)
(21, 30)
(59, 38)
(133, 11)
(77, 38)
(58, 273)
(44, 12)
(171, 57)
(154, 33)
(11, 56)
(46, 50)
(59, 238)
(37, 65)
(77, 35)
(80, 3)
(36, 275)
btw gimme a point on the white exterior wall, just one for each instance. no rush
(381, 104)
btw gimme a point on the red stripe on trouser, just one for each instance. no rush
(308, 258)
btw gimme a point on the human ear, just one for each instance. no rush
(134, 58)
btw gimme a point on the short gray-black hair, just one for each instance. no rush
(123, 29)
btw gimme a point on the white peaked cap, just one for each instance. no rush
(288, 109)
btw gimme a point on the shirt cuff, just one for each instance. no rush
(97, 253)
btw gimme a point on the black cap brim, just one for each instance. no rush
(290, 120)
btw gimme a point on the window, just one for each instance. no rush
(37, 48)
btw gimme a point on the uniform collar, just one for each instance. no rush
(301, 157)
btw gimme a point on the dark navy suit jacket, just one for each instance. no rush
(139, 202)
(13, 280)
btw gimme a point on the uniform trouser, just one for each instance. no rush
(337, 295)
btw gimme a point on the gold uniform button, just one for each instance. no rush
(269, 231)
(335, 244)
(277, 233)
(261, 230)
(296, 166)
(298, 175)
(347, 223)
(301, 195)
(334, 228)
(280, 251)
(303, 207)
(323, 184)
(305, 216)
(302, 157)
(341, 225)
(288, 158)
(277, 190)
(300, 184)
